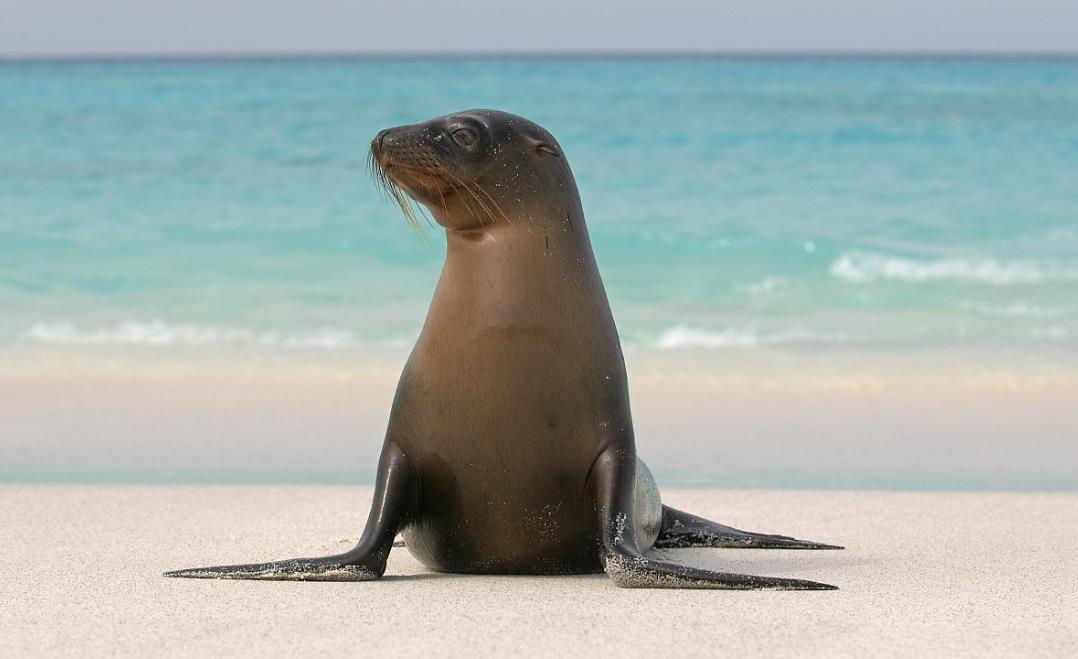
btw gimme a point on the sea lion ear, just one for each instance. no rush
(540, 146)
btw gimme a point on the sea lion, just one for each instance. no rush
(510, 447)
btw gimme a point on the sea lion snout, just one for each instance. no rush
(473, 170)
(379, 141)
(394, 145)
(407, 161)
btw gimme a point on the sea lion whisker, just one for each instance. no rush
(468, 187)
(441, 197)
(391, 190)
(465, 186)
(461, 184)
(480, 189)
(375, 172)
(405, 204)
(489, 213)
(457, 185)
(496, 206)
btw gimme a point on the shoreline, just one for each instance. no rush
(363, 476)
(911, 421)
(963, 367)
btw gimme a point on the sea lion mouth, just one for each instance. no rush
(406, 178)
(417, 172)
(417, 181)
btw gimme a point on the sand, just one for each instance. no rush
(925, 574)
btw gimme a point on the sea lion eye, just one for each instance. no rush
(465, 137)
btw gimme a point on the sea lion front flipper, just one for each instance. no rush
(612, 482)
(395, 497)
(683, 530)
(342, 567)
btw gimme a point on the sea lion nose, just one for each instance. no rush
(385, 138)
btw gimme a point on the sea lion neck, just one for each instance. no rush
(527, 239)
(514, 275)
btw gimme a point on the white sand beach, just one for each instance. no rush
(924, 574)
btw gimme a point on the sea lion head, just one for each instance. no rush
(475, 169)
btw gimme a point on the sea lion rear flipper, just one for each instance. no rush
(612, 482)
(682, 530)
(629, 570)
(395, 496)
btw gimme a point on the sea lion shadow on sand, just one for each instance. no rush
(510, 446)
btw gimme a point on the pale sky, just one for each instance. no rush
(123, 27)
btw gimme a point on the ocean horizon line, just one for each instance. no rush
(781, 55)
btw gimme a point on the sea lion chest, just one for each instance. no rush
(507, 399)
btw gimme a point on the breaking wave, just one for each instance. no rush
(1014, 310)
(866, 267)
(766, 286)
(157, 333)
(683, 336)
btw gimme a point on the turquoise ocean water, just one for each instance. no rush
(733, 203)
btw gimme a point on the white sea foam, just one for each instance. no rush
(765, 286)
(683, 336)
(1052, 333)
(866, 267)
(1014, 310)
(157, 333)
